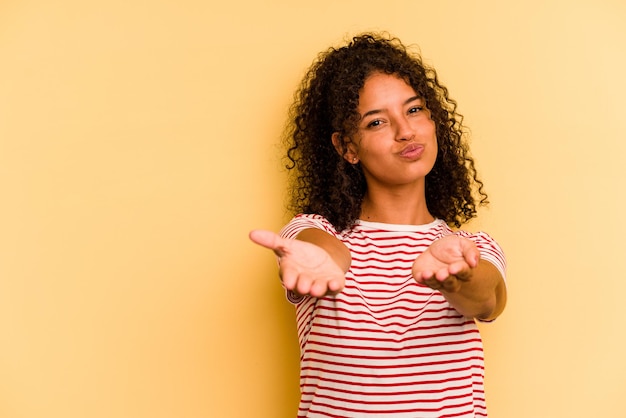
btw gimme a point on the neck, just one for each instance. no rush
(402, 207)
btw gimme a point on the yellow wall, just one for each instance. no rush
(137, 148)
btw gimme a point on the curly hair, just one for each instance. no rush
(322, 182)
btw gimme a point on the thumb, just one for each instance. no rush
(470, 251)
(267, 239)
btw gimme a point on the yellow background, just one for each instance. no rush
(138, 148)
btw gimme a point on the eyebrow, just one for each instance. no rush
(375, 111)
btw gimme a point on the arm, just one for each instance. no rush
(315, 263)
(474, 287)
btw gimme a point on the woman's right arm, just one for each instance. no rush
(315, 263)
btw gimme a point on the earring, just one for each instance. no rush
(354, 160)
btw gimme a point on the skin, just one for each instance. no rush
(396, 146)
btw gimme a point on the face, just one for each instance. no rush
(396, 142)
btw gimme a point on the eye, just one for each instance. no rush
(374, 123)
(415, 109)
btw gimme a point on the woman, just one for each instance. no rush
(386, 293)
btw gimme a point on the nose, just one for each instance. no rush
(404, 130)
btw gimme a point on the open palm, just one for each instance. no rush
(305, 268)
(446, 263)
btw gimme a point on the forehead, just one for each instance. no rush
(380, 89)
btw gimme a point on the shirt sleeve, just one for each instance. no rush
(489, 250)
(298, 224)
(305, 221)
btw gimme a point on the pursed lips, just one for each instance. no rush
(412, 150)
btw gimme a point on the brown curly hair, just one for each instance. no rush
(322, 182)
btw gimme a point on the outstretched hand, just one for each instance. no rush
(304, 268)
(447, 263)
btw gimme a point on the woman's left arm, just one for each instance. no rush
(473, 286)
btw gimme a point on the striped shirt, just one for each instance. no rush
(387, 346)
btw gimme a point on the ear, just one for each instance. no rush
(345, 148)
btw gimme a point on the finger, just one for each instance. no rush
(304, 284)
(288, 278)
(451, 284)
(461, 269)
(433, 283)
(318, 288)
(442, 274)
(470, 252)
(422, 276)
(335, 286)
(267, 239)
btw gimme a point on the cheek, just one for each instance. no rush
(428, 128)
(432, 133)
(435, 148)
(375, 152)
(366, 145)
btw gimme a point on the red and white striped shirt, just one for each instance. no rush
(387, 346)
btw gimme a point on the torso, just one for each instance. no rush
(387, 346)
